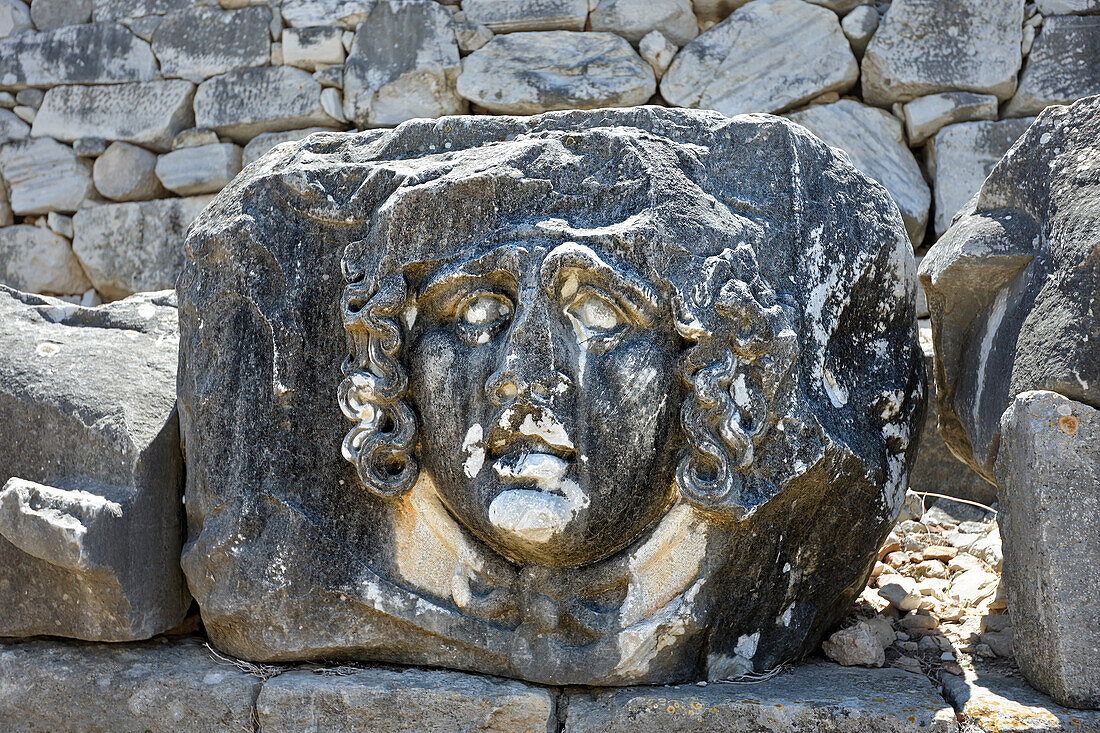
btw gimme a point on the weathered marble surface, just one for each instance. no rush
(690, 434)
(90, 516)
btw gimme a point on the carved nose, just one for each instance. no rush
(526, 371)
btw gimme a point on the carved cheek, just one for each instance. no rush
(638, 381)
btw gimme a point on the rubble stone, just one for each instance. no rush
(1063, 66)
(501, 76)
(12, 128)
(50, 14)
(43, 175)
(194, 137)
(247, 102)
(15, 17)
(858, 26)
(37, 260)
(930, 46)
(94, 53)
(347, 14)
(768, 56)
(509, 16)
(925, 116)
(127, 173)
(384, 83)
(855, 645)
(311, 48)
(92, 469)
(201, 169)
(202, 42)
(143, 113)
(260, 144)
(89, 146)
(633, 19)
(658, 51)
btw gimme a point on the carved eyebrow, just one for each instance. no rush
(500, 261)
(637, 295)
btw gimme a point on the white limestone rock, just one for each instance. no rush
(15, 17)
(347, 14)
(94, 53)
(925, 116)
(44, 175)
(260, 144)
(247, 102)
(37, 260)
(1068, 7)
(60, 224)
(1064, 65)
(509, 16)
(25, 113)
(49, 14)
(528, 73)
(202, 42)
(633, 19)
(143, 113)
(193, 137)
(959, 157)
(859, 26)
(125, 9)
(470, 35)
(127, 173)
(386, 83)
(134, 247)
(313, 48)
(11, 127)
(929, 46)
(768, 56)
(658, 51)
(875, 143)
(202, 169)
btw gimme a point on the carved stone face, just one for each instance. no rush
(545, 382)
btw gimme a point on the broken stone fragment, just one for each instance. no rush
(857, 645)
(37, 260)
(924, 116)
(528, 15)
(92, 469)
(768, 56)
(1064, 66)
(44, 175)
(500, 76)
(143, 113)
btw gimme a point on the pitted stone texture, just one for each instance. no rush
(633, 19)
(310, 48)
(1048, 477)
(37, 260)
(247, 102)
(1064, 65)
(1013, 286)
(1066, 7)
(387, 83)
(94, 53)
(199, 169)
(347, 14)
(150, 687)
(509, 16)
(925, 116)
(202, 42)
(930, 46)
(134, 247)
(818, 697)
(384, 701)
(768, 56)
(293, 555)
(260, 144)
(993, 702)
(874, 141)
(125, 9)
(43, 175)
(528, 73)
(127, 173)
(15, 18)
(959, 158)
(90, 528)
(143, 113)
(49, 14)
(12, 128)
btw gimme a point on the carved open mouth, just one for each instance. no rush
(508, 445)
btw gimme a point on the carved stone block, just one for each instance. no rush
(597, 397)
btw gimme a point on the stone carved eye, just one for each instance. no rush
(597, 321)
(482, 315)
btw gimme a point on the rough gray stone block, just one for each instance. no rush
(1065, 7)
(874, 141)
(925, 116)
(387, 83)
(134, 247)
(633, 19)
(12, 128)
(384, 700)
(50, 14)
(1064, 66)
(310, 48)
(202, 42)
(1048, 477)
(159, 686)
(125, 9)
(44, 175)
(15, 17)
(127, 173)
(768, 56)
(1013, 286)
(39, 261)
(959, 157)
(90, 528)
(818, 697)
(143, 113)
(247, 102)
(94, 53)
(347, 14)
(528, 73)
(930, 46)
(509, 16)
(199, 169)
